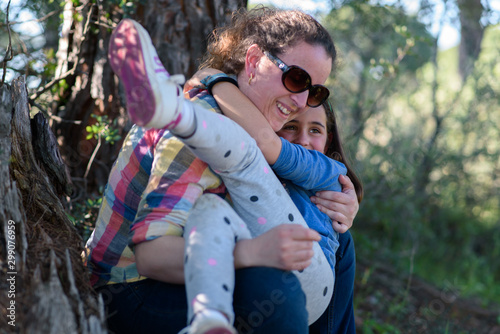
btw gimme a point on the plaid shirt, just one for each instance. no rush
(152, 187)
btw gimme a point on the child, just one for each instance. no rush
(154, 100)
(322, 134)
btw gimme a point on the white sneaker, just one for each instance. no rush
(209, 322)
(152, 93)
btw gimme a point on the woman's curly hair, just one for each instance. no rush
(271, 29)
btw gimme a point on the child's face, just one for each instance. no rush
(309, 130)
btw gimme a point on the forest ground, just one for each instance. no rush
(389, 302)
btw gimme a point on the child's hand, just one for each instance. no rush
(195, 80)
(286, 247)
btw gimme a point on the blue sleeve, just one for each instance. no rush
(309, 169)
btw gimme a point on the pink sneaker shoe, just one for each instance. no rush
(152, 93)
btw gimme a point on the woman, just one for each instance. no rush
(317, 130)
(312, 130)
(152, 188)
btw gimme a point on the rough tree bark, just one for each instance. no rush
(43, 284)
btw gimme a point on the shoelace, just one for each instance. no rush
(178, 79)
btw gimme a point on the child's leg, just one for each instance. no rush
(258, 196)
(209, 262)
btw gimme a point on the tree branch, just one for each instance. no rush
(72, 71)
(35, 20)
(53, 117)
(9, 49)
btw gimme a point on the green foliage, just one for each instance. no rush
(83, 215)
(129, 7)
(377, 32)
(29, 55)
(426, 147)
(4, 36)
(49, 69)
(379, 47)
(372, 326)
(104, 129)
(42, 8)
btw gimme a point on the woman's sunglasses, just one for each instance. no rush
(297, 80)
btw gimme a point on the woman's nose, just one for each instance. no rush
(300, 99)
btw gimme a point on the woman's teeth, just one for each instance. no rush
(283, 109)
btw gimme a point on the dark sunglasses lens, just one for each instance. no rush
(296, 80)
(317, 95)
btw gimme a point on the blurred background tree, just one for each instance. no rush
(421, 124)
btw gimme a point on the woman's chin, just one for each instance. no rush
(277, 125)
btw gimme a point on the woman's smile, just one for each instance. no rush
(283, 109)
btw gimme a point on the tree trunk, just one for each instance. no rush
(44, 284)
(179, 30)
(471, 33)
(428, 162)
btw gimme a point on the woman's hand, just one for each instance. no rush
(341, 207)
(286, 247)
(195, 80)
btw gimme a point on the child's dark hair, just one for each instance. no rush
(336, 151)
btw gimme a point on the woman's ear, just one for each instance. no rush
(253, 56)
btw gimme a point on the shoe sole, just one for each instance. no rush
(126, 56)
(220, 330)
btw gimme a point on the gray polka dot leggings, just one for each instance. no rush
(260, 203)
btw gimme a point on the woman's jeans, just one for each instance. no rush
(266, 300)
(339, 317)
